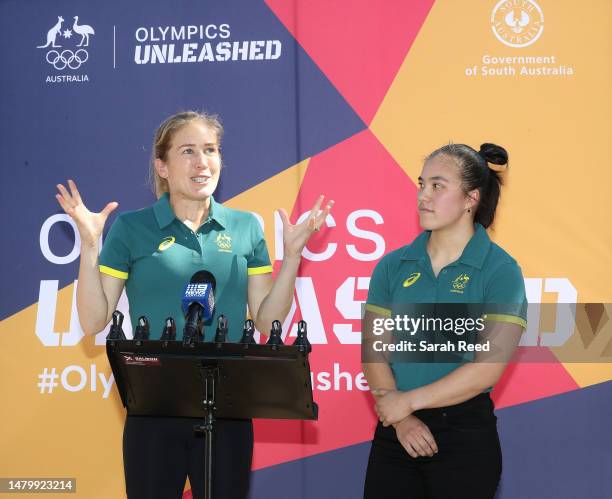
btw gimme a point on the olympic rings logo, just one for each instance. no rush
(59, 60)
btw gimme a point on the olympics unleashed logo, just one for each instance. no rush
(74, 57)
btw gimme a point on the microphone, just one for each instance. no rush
(116, 329)
(169, 331)
(142, 330)
(198, 305)
(302, 338)
(221, 333)
(275, 335)
(247, 333)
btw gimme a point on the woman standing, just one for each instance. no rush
(153, 252)
(437, 435)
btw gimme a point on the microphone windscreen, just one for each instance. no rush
(200, 290)
(203, 276)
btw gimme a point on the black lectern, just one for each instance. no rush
(207, 380)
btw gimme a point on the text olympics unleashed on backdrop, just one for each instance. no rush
(485, 332)
(199, 43)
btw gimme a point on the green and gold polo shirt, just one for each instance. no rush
(157, 254)
(484, 275)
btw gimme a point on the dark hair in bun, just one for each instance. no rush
(477, 172)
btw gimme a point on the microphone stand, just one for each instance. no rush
(210, 375)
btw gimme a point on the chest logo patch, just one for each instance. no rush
(411, 279)
(224, 242)
(166, 243)
(459, 284)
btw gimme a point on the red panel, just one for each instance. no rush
(526, 381)
(359, 45)
(357, 173)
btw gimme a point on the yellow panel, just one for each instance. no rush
(39, 430)
(553, 216)
(280, 191)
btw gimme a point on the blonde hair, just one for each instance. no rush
(163, 138)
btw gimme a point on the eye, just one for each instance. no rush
(437, 186)
(421, 186)
(211, 150)
(188, 150)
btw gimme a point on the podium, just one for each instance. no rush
(207, 380)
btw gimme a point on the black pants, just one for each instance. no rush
(159, 453)
(468, 463)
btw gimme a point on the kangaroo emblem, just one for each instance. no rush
(84, 30)
(52, 34)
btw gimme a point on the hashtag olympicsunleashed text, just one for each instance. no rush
(75, 378)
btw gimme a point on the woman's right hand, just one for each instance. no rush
(90, 225)
(415, 437)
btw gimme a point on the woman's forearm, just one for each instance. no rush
(277, 303)
(92, 304)
(379, 375)
(463, 383)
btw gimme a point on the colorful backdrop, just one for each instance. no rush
(343, 98)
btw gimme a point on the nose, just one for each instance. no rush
(201, 161)
(423, 194)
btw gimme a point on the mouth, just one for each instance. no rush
(424, 210)
(200, 180)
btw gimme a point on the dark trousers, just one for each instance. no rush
(160, 453)
(468, 463)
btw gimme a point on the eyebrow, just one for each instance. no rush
(420, 179)
(195, 145)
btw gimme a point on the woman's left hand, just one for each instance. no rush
(296, 236)
(392, 405)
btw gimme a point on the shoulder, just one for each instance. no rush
(130, 220)
(238, 216)
(503, 275)
(499, 259)
(391, 262)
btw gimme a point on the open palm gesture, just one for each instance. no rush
(296, 236)
(89, 224)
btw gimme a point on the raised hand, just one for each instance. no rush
(89, 224)
(296, 236)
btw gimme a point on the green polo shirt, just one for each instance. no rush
(157, 254)
(484, 275)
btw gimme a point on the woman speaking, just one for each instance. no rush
(153, 252)
(437, 434)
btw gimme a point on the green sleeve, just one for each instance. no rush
(379, 296)
(258, 261)
(505, 298)
(114, 259)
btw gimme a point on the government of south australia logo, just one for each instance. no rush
(66, 45)
(517, 23)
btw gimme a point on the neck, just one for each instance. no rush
(192, 213)
(447, 244)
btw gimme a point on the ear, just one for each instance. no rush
(472, 199)
(161, 168)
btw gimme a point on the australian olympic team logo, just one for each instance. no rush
(224, 242)
(460, 283)
(517, 23)
(74, 57)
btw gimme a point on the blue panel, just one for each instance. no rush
(559, 447)
(276, 113)
(339, 474)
